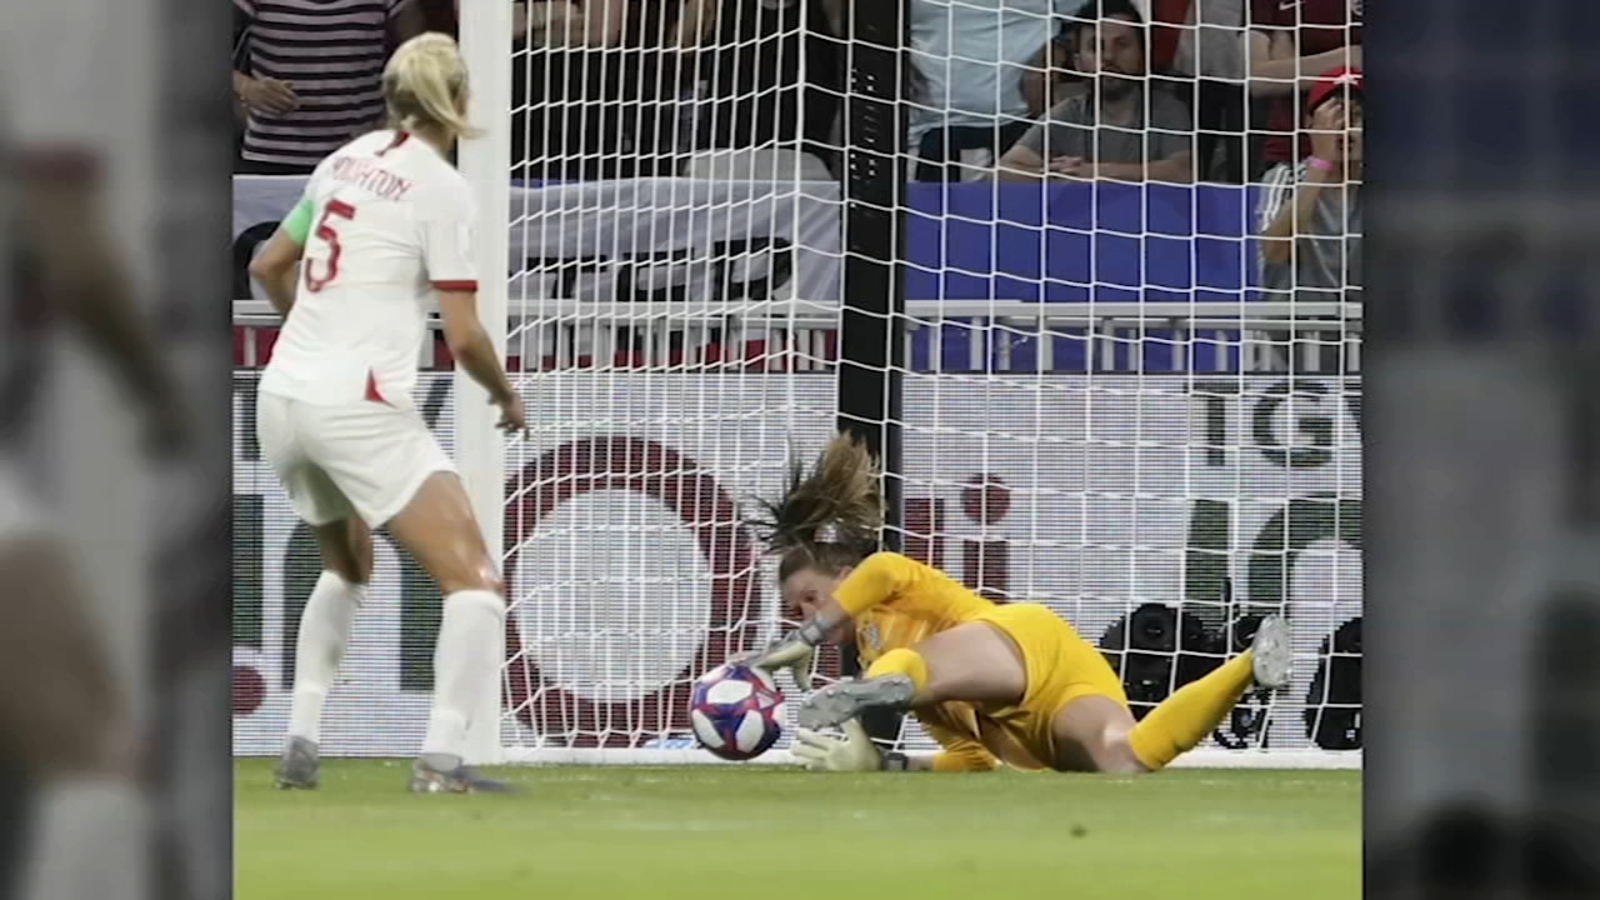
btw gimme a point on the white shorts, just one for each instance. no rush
(366, 459)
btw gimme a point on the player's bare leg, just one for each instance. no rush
(975, 663)
(440, 530)
(325, 625)
(68, 730)
(1100, 734)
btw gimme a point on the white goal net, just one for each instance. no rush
(1106, 400)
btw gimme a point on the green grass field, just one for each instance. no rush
(756, 833)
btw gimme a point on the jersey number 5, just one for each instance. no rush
(330, 236)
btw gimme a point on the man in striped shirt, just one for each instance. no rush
(314, 77)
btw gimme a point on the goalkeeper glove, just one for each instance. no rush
(793, 652)
(852, 751)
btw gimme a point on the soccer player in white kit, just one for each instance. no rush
(384, 228)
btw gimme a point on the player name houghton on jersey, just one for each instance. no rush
(369, 176)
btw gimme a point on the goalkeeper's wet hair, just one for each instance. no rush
(829, 518)
(425, 85)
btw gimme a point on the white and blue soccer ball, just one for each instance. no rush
(736, 712)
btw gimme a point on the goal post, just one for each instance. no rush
(872, 308)
(479, 446)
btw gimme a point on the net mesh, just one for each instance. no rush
(1113, 404)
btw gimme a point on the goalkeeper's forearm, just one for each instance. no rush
(878, 577)
(795, 647)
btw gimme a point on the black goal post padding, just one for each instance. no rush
(871, 324)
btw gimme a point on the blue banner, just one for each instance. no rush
(1079, 242)
(685, 239)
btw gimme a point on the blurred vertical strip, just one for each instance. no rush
(193, 556)
(1482, 570)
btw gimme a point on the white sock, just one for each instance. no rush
(324, 634)
(89, 841)
(466, 662)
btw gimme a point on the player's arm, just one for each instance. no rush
(874, 580)
(80, 272)
(274, 267)
(469, 343)
(447, 256)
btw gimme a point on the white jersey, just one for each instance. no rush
(391, 223)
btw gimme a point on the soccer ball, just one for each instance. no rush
(736, 712)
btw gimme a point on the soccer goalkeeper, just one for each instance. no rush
(993, 684)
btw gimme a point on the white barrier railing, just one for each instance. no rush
(797, 336)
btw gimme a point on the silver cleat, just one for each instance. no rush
(838, 703)
(428, 778)
(1272, 653)
(300, 768)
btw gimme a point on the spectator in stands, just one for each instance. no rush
(1289, 43)
(730, 89)
(587, 82)
(1195, 52)
(560, 23)
(1198, 42)
(969, 59)
(314, 77)
(1309, 219)
(1053, 75)
(1121, 128)
(767, 93)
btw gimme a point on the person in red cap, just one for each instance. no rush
(1309, 215)
(1291, 43)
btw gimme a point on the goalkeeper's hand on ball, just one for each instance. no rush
(851, 751)
(793, 652)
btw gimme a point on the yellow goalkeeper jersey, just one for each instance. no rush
(897, 602)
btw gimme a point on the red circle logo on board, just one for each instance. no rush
(678, 482)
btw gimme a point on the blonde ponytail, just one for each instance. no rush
(423, 86)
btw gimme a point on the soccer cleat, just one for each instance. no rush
(838, 703)
(463, 779)
(1272, 653)
(299, 769)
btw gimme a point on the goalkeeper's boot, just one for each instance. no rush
(1272, 653)
(838, 703)
(299, 769)
(429, 776)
